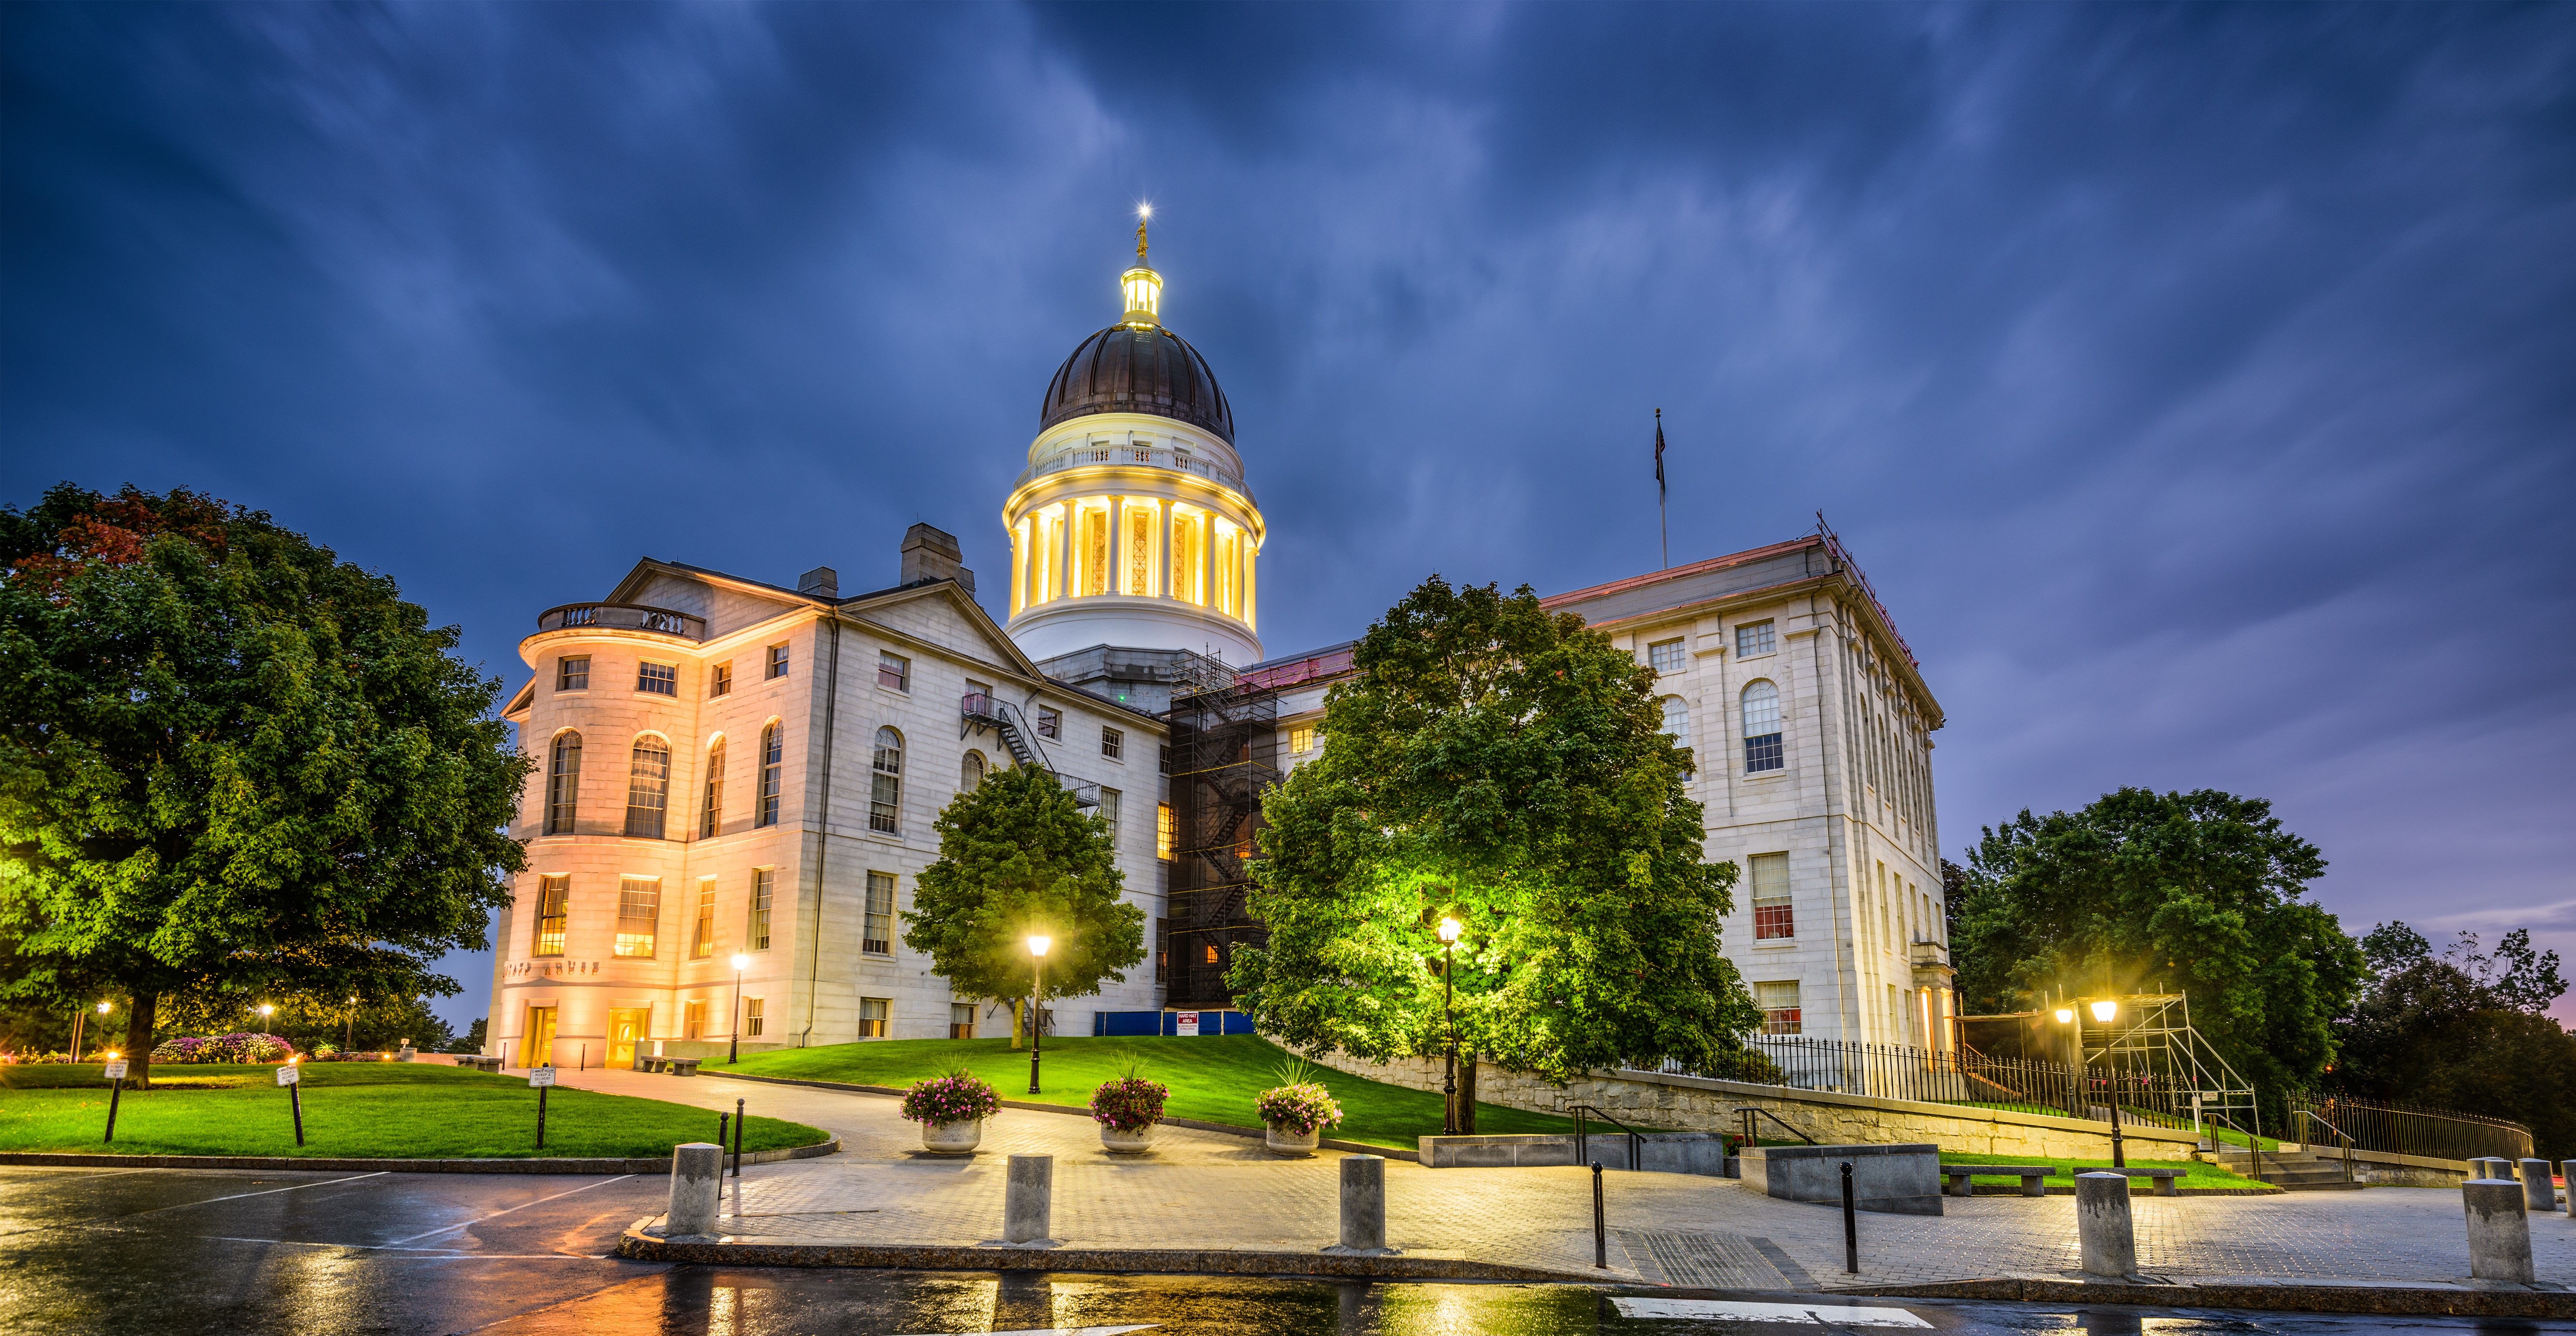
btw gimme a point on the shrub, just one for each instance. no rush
(1130, 1103)
(961, 1097)
(236, 1047)
(1297, 1104)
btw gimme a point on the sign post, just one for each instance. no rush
(291, 1076)
(115, 1091)
(543, 1079)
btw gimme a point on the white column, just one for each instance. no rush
(1064, 551)
(1019, 566)
(1207, 561)
(1248, 586)
(1171, 517)
(1117, 581)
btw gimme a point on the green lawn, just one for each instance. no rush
(1213, 1079)
(2199, 1176)
(354, 1109)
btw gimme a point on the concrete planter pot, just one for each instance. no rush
(952, 1138)
(1126, 1143)
(1280, 1141)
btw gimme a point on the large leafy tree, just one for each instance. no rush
(2200, 893)
(1017, 858)
(1506, 767)
(2465, 1030)
(232, 766)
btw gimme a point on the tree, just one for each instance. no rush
(1496, 764)
(1017, 858)
(2464, 1031)
(232, 766)
(474, 1038)
(2197, 893)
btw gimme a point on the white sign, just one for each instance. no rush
(1708, 1310)
(1186, 1022)
(289, 1074)
(541, 1076)
(116, 1071)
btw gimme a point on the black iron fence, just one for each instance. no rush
(2401, 1129)
(1897, 1071)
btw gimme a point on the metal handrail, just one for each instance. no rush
(1748, 1111)
(2253, 1142)
(2311, 1114)
(1582, 1149)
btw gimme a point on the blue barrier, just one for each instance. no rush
(1139, 1024)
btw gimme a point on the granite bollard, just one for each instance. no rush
(1364, 1203)
(2539, 1192)
(2567, 1171)
(2102, 1225)
(2499, 1232)
(696, 1190)
(1028, 1199)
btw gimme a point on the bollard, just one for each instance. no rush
(2499, 1234)
(2567, 1173)
(2539, 1191)
(696, 1169)
(737, 1138)
(2110, 1243)
(1028, 1199)
(1600, 1223)
(1851, 1225)
(1364, 1203)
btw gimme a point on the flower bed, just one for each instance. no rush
(1129, 1103)
(960, 1097)
(236, 1047)
(1301, 1108)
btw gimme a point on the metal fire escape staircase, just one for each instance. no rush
(978, 711)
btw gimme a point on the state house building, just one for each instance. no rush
(729, 766)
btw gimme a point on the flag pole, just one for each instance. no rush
(1663, 523)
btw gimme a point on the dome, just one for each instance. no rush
(1138, 369)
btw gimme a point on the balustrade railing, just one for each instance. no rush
(623, 617)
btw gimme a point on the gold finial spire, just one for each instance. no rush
(1143, 212)
(1141, 285)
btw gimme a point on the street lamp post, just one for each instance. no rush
(2103, 1012)
(733, 1053)
(1037, 1005)
(77, 1018)
(1449, 930)
(349, 1032)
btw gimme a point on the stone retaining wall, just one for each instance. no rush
(1695, 1104)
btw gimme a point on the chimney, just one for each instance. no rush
(821, 582)
(930, 554)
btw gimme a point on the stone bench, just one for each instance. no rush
(478, 1062)
(2029, 1174)
(2164, 1177)
(646, 1062)
(681, 1066)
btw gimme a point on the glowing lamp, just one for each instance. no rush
(2104, 1011)
(1449, 929)
(102, 1008)
(1038, 945)
(111, 1055)
(265, 1008)
(2065, 1014)
(741, 963)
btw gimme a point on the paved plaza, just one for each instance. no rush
(1205, 1190)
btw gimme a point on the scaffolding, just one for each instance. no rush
(1225, 754)
(2147, 1056)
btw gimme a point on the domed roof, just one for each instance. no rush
(1138, 369)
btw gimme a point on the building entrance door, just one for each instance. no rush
(625, 1027)
(538, 1048)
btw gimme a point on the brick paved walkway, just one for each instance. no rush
(1209, 1190)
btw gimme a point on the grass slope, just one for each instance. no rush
(2199, 1176)
(361, 1110)
(1213, 1079)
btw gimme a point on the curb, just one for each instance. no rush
(2135, 1190)
(1229, 1129)
(636, 1245)
(546, 1166)
(2503, 1300)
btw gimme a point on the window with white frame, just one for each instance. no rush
(1779, 1003)
(1109, 813)
(763, 882)
(970, 772)
(711, 812)
(639, 913)
(702, 942)
(658, 679)
(777, 662)
(554, 898)
(1774, 917)
(1113, 744)
(572, 673)
(1762, 750)
(961, 1020)
(876, 935)
(1677, 720)
(1050, 723)
(1166, 830)
(773, 768)
(874, 1013)
(1665, 656)
(754, 1019)
(1301, 739)
(894, 672)
(1753, 638)
(885, 783)
(720, 679)
(648, 787)
(563, 784)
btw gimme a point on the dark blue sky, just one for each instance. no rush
(2197, 384)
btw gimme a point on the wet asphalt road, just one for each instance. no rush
(113, 1252)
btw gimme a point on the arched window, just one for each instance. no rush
(885, 785)
(648, 787)
(1762, 728)
(563, 784)
(712, 818)
(970, 776)
(773, 753)
(1677, 720)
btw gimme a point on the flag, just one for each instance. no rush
(1659, 455)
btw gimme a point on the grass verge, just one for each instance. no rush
(362, 1110)
(2198, 1175)
(1213, 1079)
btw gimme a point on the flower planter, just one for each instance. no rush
(1281, 1141)
(957, 1138)
(1116, 1142)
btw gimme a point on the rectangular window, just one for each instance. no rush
(777, 661)
(693, 1021)
(659, 679)
(752, 1017)
(639, 910)
(572, 673)
(554, 897)
(1779, 1003)
(702, 943)
(720, 679)
(1762, 751)
(1773, 916)
(877, 932)
(872, 1017)
(1166, 762)
(1050, 723)
(1165, 828)
(1113, 744)
(894, 671)
(1752, 638)
(1109, 813)
(762, 881)
(961, 1020)
(773, 768)
(1665, 656)
(1301, 739)
(563, 786)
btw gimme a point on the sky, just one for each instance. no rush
(2182, 376)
